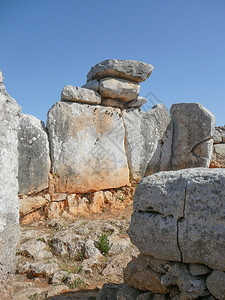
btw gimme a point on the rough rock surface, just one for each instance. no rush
(178, 274)
(63, 252)
(143, 131)
(183, 213)
(121, 89)
(92, 85)
(137, 102)
(162, 157)
(87, 148)
(127, 69)
(218, 156)
(78, 94)
(219, 135)
(216, 284)
(29, 204)
(9, 210)
(141, 276)
(34, 157)
(193, 128)
(113, 103)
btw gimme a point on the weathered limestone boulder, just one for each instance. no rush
(137, 102)
(78, 94)
(179, 216)
(218, 156)
(141, 276)
(34, 157)
(92, 85)
(143, 132)
(127, 69)
(9, 208)
(193, 128)
(216, 284)
(219, 135)
(87, 148)
(121, 89)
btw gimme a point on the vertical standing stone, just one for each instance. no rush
(193, 128)
(34, 157)
(9, 210)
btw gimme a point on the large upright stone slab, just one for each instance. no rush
(9, 208)
(34, 156)
(193, 128)
(179, 215)
(127, 69)
(143, 132)
(87, 148)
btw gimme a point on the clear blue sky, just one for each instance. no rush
(47, 44)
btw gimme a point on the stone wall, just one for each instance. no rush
(9, 210)
(98, 138)
(178, 227)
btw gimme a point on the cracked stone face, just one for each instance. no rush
(87, 147)
(179, 215)
(193, 129)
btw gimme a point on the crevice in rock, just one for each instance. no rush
(125, 147)
(180, 219)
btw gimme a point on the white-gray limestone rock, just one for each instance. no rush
(87, 148)
(127, 69)
(136, 103)
(121, 89)
(143, 132)
(34, 157)
(78, 94)
(193, 128)
(9, 207)
(92, 85)
(179, 215)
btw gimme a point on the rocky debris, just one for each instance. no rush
(78, 94)
(190, 287)
(34, 157)
(97, 135)
(30, 204)
(193, 128)
(121, 89)
(92, 85)
(216, 284)
(9, 210)
(62, 205)
(64, 253)
(143, 132)
(179, 210)
(218, 156)
(128, 69)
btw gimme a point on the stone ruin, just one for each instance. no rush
(97, 138)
